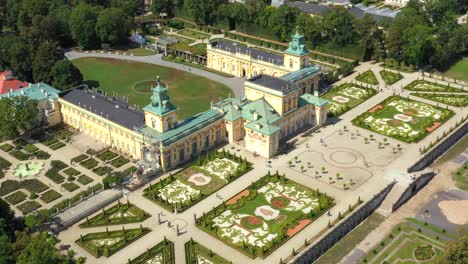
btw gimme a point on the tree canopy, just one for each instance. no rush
(17, 115)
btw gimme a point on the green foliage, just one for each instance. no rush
(119, 214)
(112, 26)
(19, 114)
(65, 75)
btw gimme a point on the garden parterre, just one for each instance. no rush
(347, 96)
(116, 215)
(367, 77)
(426, 86)
(262, 217)
(458, 100)
(409, 244)
(403, 119)
(162, 253)
(197, 181)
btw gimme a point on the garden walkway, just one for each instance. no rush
(235, 83)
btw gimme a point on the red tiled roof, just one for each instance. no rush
(7, 82)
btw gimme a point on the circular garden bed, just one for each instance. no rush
(424, 252)
(251, 222)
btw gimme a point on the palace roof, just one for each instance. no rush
(185, 128)
(108, 108)
(274, 83)
(38, 91)
(9, 83)
(311, 99)
(256, 54)
(301, 74)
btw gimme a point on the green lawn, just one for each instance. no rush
(346, 96)
(458, 100)
(459, 71)
(196, 253)
(191, 93)
(162, 253)
(193, 34)
(367, 77)
(390, 77)
(122, 213)
(461, 177)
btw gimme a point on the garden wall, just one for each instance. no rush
(440, 149)
(348, 224)
(413, 188)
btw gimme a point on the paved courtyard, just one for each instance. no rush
(363, 160)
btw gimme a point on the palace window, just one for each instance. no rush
(224, 65)
(291, 63)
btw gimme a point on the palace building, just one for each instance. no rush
(274, 108)
(242, 61)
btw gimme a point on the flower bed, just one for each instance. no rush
(106, 155)
(50, 196)
(367, 77)
(28, 207)
(390, 77)
(347, 96)
(119, 162)
(70, 186)
(403, 119)
(80, 158)
(117, 215)
(16, 197)
(71, 172)
(426, 86)
(162, 253)
(108, 243)
(197, 181)
(274, 211)
(84, 180)
(458, 100)
(196, 253)
(89, 163)
(6, 147)
(102, 170)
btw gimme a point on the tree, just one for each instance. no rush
(112, 26)
(82, 24)
(162, 6)
(338, 25)
(130, 7)
(47, 55)
(370, 36)
(456, 252)
(18, 115)
(40, 250)
(66, 75)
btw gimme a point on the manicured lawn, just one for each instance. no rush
(106, 155)
(53, 173)
(70, 186)
(108, 243)
(119, 162)
(28, 207)
(191, 93)
(162, 253)
(57, 145)
(50, 196)
(30, 148)
(193, 34)
(42, 155)
(197, 49)
(71, 172)
(19, 155)
(6, 147)
(4, 164)
(16, 197)
(198, 181)
(390, 77)
(80, 158)
(403, 119)
(260, 218)
(458, 100)
(459, 71)
(408, 243)
(196, 253)
(349, 242)
(367, 77)
(49, 141)
(102, 170)
(84, 180)
(346, 96)
(89, 163)
(32, 185)
(122, 213)
(425, 86)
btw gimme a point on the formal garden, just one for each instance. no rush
(347, 96)
(193, 34)
(457, 100)
(121, 213)
(54, 138)
(426, 86)
(22, 150)
(403, 119)
(389, 77)
(197, 181)
(108, 242)
(195, 253)
(367, 77)
(162, 253)
(262, 217)
(409, 243)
